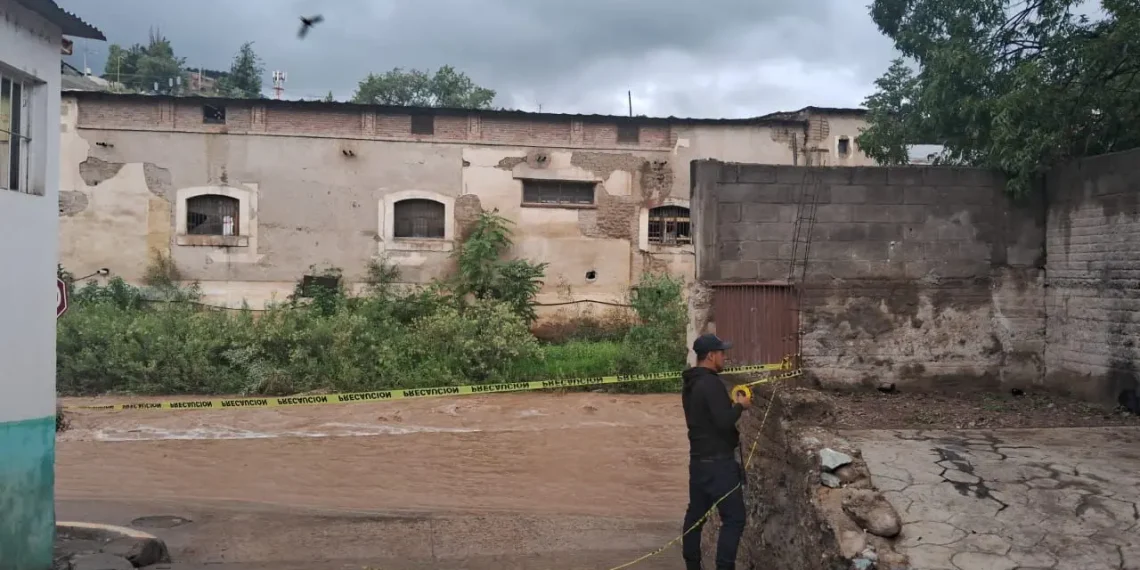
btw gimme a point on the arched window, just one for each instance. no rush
(418, 218)
(669, 225)
(212, 215)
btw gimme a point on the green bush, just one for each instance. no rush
(472, 328)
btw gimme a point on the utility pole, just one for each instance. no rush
(279, 78)
(629, 96)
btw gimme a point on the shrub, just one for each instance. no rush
(471, 328)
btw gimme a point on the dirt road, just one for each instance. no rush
(516, 480)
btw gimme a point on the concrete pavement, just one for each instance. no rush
(1063, 499)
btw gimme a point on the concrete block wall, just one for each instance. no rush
(1093, 276)
(916, 275)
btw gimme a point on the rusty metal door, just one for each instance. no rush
(761, 321)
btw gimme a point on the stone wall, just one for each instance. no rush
(1093, 276)
(916, 275)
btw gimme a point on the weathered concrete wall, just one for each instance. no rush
(317, 186)
(1093, 276)
(916, 275)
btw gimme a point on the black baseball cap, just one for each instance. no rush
(710, 343)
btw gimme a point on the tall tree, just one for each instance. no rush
(149, 68)
(415, 88)
(244, 79)
(1017, 85)
(329, 98)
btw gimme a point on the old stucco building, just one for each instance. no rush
(245, 196)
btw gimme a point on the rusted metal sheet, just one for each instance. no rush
(761, 320)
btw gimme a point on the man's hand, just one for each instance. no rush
(743, 399)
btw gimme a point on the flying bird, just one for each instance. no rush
(307, 23)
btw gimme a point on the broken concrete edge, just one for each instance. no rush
(134, 546)
(98, 531)
(793, 519)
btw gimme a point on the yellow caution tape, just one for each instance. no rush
(406, 394)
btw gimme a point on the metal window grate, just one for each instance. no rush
(628, 133)
(15, 141)
(212, 215)
(418, 218)
(214, 114)
(423, 124)
(670, 225)
(558, 192)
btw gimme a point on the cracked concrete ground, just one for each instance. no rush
(1060, 498)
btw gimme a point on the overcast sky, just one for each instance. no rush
(694, 58)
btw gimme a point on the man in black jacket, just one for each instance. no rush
(714, 464)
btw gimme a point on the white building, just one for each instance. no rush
(31, 37)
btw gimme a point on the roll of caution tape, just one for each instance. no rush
(741, 390)
(411, 393)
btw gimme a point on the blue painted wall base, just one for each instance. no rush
(27, 506)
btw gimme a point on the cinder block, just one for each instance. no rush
(844, 231)
(728, 213)
(884, 231)
(760, 250)
(827, 213)
(869, 175)
(730, 250)
(884, 195)
(742, 270)
(921, 195)
(865, 213)
(760, 193)
(906, 175)
(847, 195)
(760, 212)
(756, 174)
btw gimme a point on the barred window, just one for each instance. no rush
(212, 215)
(418, 218)
(558, 192)
(669, 225)
(15, 141)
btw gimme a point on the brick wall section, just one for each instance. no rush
(916, 275)
(1093, 276)
(358, 122)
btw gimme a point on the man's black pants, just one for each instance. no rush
(709, 480)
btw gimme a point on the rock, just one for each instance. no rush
(862, 564)
(830, 480)
(139, 551)
(100, 561)
(869, 553)
(853, 473)
(887, 387)
(852, 543)
(872, 512)
(832, 460)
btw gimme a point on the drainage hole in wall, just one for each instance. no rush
(591, 276)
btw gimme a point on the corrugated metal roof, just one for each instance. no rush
(68, 23)
(780, 118)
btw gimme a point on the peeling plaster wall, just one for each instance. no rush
(921, 276)
(315, 199)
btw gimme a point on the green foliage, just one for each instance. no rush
(657, 341)
(163, 340)
(485, 275)
(244, 78)
(415, 88)
(1016, 86)
(140, 67)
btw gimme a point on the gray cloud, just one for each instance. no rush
(710, 58)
